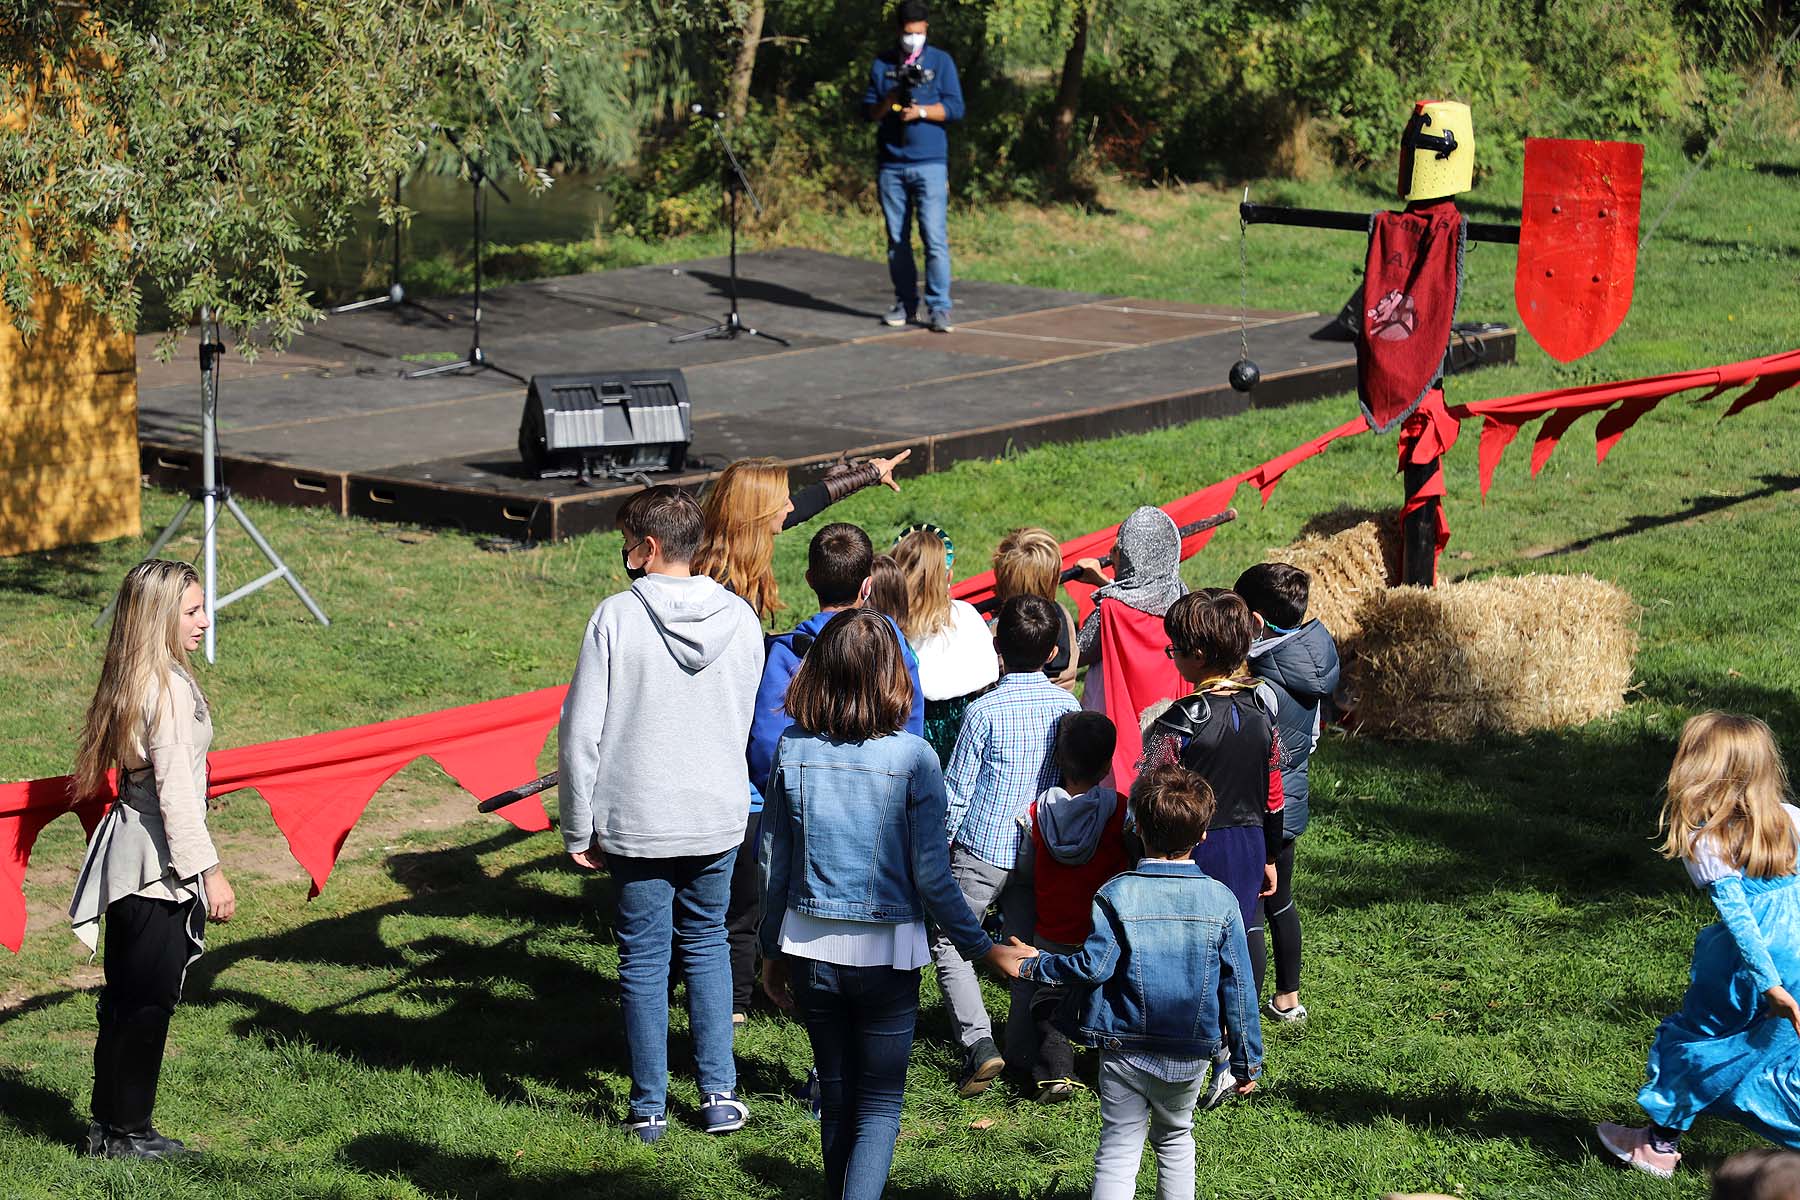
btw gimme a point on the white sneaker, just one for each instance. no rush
(1291, 1016)
(1220, 1087)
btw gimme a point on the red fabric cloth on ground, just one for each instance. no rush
(1412, 280)
(317, 786)
(1136, 675)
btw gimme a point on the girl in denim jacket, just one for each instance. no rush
(1161, 985)
(852, 860)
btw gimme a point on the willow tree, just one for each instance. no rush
(198, 147)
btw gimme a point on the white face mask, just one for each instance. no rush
(912, 43)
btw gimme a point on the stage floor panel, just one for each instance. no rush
(334, 421)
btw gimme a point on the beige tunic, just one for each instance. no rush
(153, 842)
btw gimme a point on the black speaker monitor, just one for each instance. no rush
(605, 423)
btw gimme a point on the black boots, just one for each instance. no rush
(105, 1142)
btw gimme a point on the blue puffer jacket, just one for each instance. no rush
(855, 831)
(1166, 969)
(1302, 669)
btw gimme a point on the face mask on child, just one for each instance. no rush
(912, 43)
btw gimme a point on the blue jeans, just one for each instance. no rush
(683, 899)
(860, 1021)
(924, 189)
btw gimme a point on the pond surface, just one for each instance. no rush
(442, 219)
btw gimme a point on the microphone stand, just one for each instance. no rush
(476, 359)
(735, 181)
(395, 296)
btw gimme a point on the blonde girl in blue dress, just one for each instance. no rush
(1733, 1049)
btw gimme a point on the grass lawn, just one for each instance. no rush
(1490, 939)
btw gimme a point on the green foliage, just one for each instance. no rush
(195, 147)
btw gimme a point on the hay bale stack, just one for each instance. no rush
(1504, 655)
(1347, 567)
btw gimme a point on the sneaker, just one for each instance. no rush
(647, 1129)
(938, 320)
(739, 1020)
(984, 1062)
(722, 1112)
(1632, 1147)
(896, 316)
(1291, 1016)
(148, 1144)
(1220, 1088)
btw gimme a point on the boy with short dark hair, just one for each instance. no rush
(1075, 841)
(1002, 761)
(1299, 661)
(674, 655)
(1162, 985)
(837, 570)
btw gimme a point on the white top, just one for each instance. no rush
(959, 658)
(855, 943)
(1708, 865)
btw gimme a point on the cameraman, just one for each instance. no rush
(913, 93)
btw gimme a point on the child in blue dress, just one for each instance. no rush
(1733, 1050)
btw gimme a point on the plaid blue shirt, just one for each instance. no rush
(1001, 762)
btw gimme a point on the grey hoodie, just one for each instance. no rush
(651, 745)
(1302, 669)
(1072, 825)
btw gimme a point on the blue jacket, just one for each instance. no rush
(855, 831)
(1302, 670)
(782, 659)
(1166, 962)
(912, 142)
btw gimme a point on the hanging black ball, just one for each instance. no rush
(1244, 375)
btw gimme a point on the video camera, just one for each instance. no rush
(909, 76)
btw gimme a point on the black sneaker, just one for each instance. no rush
(647, 1129)
(148, 1144)
(984, 1062)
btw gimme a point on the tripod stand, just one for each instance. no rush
(735, 181)
(476, 359)
(395, 296)
(210, 495)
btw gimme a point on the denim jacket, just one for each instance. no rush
(1166, 961)
(855, 831)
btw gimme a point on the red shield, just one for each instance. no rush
(1577, 241)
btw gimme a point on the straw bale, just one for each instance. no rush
(1348, 566)
(1504, 655)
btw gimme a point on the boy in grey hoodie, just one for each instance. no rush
(1300, 663)
(651, 750)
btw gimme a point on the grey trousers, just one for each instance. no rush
(1130, 1100)
(983, 884)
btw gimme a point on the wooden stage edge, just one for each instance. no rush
(525, 516)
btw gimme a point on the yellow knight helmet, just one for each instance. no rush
(1437, 151)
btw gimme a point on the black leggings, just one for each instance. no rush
(1283, 922)
(146, 955)
(743, 919)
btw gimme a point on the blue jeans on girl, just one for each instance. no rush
(860, 1021)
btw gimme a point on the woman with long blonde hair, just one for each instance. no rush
(956, 652)
(150, 869)
(750, 503)
(1028, 562)
(1728, 1053)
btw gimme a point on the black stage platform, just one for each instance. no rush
(332, 422)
